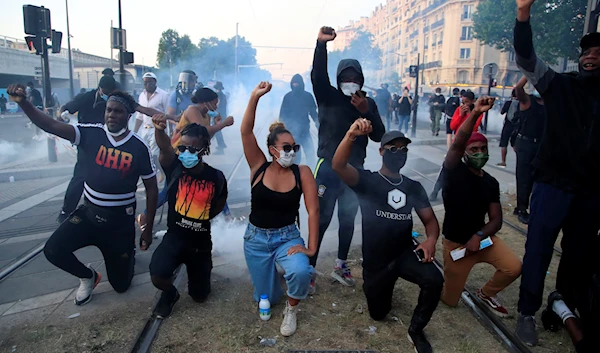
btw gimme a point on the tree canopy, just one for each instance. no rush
(557, 26)
(361, 48)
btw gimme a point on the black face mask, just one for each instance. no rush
(394, 161)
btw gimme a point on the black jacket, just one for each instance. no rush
(440, 100)
(569, 154)
(337, 114)
(451, 105)
(89, 106)
(297, 105)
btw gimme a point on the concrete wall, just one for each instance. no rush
(22, 63)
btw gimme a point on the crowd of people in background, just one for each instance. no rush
(553, 130)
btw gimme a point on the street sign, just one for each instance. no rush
(491, 69)
(114, 38)
(37, 73)
(413, 70)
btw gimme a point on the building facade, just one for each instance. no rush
(438, 34)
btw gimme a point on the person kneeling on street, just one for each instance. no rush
(387, 199)
(196, 193)
(272, 235)
(469, 195)
(115, 158)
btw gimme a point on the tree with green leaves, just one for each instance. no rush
(361, 48)
(174, 49)
(557, 28)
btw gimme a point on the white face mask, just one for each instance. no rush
(437, 94)
(115, 134)
(349, 87)
(286, 159)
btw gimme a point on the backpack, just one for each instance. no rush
(295, 169)
(451, 105)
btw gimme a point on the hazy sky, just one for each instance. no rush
(262, 22)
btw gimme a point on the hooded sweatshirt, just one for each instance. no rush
(336, 113)
(569, 154)
(297, 105)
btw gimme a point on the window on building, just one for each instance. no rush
(465, 53)
(511, 56)
(467, 12)
(463, 76)
(467, 33)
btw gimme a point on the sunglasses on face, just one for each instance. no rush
(395, 149)
(289, 148)
(192, 149)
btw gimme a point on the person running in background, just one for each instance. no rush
(530, 127)
(387, 199)
(115, 160)
(272, 235)
(566, 192)
(197, 195)
(338, 109)
(470, 194)
(384, 104)
(452, 104)
(404, 107)
(222, 110)
(510, 110)
(297, 105)
(436, 104)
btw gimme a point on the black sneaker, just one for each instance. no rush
(165, 305)
(419, 342)
(62, 216)
(550, 319)
(523, 216)
(526, 330)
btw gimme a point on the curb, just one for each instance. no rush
(28, 174)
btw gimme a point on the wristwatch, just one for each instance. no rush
(480, 233)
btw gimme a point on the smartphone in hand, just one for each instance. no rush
(420, 254)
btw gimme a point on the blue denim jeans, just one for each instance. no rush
(264, 247)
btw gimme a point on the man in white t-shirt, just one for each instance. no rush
(152, 97)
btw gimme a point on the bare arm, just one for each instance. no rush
(432, 226)
(219, 204)
(311, 201)
(254, 155)
(524, 102)
(339, 163)
(457, 149)
(138, 123)
(167, 154)
(151, 203)
(41, 120)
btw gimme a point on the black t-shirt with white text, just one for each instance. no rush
(387, 215)
(467, 199)
(113, 167)
(191, 199)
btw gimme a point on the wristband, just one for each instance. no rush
(481, 234)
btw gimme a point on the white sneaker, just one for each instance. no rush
(288, 326)
(86, 286)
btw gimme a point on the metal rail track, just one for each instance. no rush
(145, 339)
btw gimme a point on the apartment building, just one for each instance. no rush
(440, 34)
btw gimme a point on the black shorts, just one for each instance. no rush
(174, 251)
(507, 131)
(448, 129)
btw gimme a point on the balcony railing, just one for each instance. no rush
(425, 29)
(414, 34)
(436, 4)
(426, 46)
(466, 38)
(466, 16)
(466, 62)
(437, 24)
(430, 65)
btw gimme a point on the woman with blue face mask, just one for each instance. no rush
(202, 112)
(272, 235)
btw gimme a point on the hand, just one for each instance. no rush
(218, 119)
(484, 103)
(360, 127)
(263, 88)
(359, 101)
(300, 249)
(326, 34)
(17, 93)
(524, 4)
(473, 244)
(228, 121)
(146, 237)
(159, 121)
(435, 104)
(464, 110)
(428, 247)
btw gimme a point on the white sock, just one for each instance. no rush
(339, 263)
(562, 310)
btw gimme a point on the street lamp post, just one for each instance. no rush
(121, 58)
(71, 86)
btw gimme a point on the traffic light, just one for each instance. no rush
(34, 43)
(127, 57)
(56, 41)
(36, 20)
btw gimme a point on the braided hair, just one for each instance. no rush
(199, 131)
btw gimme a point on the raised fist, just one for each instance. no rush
(17, 93)
(326, 34)
(484, 103)
(524, 4)
(261, 89)
(159, 121)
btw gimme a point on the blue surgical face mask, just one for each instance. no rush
(104, 96)
(212, 114)
(188, 159)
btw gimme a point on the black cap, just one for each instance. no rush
(590, 40)
(219, 85)
(108, 83)
(108, 72)
(393, 135)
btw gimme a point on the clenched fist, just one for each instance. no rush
(159, 121)
(17, 93)
(326, 34)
